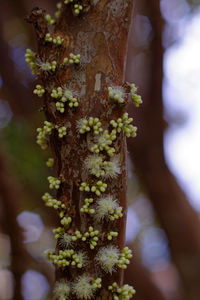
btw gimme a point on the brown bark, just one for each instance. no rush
(100, 36)
(176, 215)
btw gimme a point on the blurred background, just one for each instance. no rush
(163, 226)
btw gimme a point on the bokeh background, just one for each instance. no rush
(163, 226)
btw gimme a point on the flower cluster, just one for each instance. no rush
(92, 235)
(124, 293)
(96, 165)
(59, 7)
(60, 107)
(68, 96)
(59, 231)
(62, 289)
(67, 257)
(107, 258)
(112, 234)
(116, 94)
(50, 162)
(54, 183)
(104, 142)
(46, 66)
(124, 124)
(65, 95)
(85, 287)
(56, 93)
(108, 208)
(49, 20)
(62, 131)
(51, 202)
(66, 221)
(125, 255)
(39, 90)
(43, 134)
(30, 58)
(57, 40)
(77, 9)
(74, 59)
(137, 100)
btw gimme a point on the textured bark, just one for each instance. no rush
(176, 215)
(100, 36)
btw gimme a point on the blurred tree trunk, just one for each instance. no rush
(11, 204)
(176, 215)
(138, 276)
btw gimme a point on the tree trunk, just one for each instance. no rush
(100, 36)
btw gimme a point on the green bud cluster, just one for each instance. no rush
(77, 9)
(124, 124)
(116, 94)
(59, 7)
(62, 131)
(39, 90)
(66, 221)
(123, 260)
(92, 235)
(68, 1)
(97, 188)
(85, 187)
(65, 61)
(43, 133)
(137, 100)
(74, 59)
(85, 208)
(85, 125)
(57, 40)
(54, 182)
(49, 20)
(117, 213)
(51, 202)
(112, 234)
(77, 235)
(30, 58)
(56, 93)
(50, 162)
(60, 106)
(59, 231)
(124, 293)
(62, 259)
